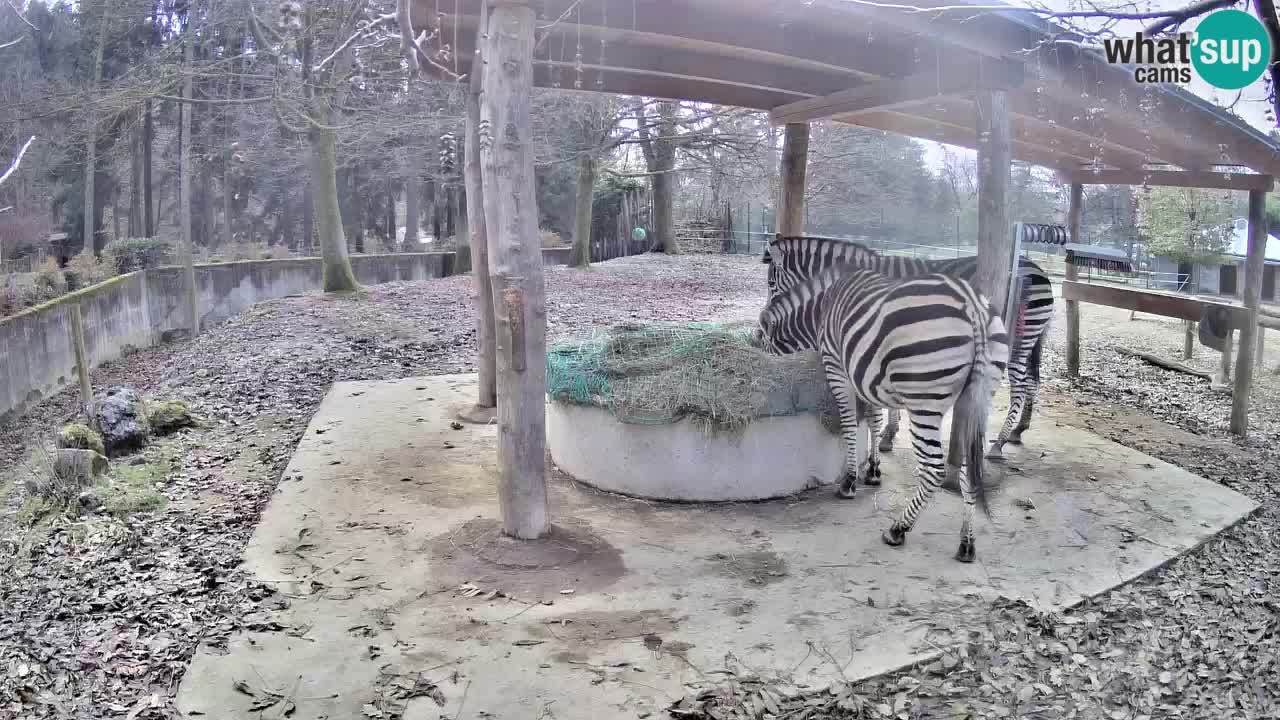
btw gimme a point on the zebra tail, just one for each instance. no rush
(974, 404)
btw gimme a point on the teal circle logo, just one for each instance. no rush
(1232, 49)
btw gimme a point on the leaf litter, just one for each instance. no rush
(100, 615)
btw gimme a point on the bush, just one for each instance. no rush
(133, 254)
(85, 270)
(50, 282)
(79, 436)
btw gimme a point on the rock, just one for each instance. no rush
(122, 417)
(168, 416)
(79, 436)
(89, 502)
(83, 466)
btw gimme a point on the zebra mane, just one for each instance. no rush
(806, 291)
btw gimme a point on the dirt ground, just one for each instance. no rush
(99, 615)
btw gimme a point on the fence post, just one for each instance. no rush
(82, 360)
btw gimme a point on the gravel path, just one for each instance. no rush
(98, 616)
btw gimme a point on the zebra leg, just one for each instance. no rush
(1017, 401)
(955, 460)
(850, 425)
(1024, 421)
(965, 553)
(872, 476)
(926, 440)
(890, 431)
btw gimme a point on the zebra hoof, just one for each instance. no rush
(893, 537)
(886, 444)
(1016, 439)
(873, 475)
(995, 454)
(848, 484)
(966, 552)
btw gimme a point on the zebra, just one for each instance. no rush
(924, 344)
(792, 258)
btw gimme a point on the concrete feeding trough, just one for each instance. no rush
(770, 457)
(689, 413)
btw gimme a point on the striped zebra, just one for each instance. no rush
(925, 344)
(792, 259)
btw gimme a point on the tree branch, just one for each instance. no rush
(17, 161)
(13, 42)
(1185, 14)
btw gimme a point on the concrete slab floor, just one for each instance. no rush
(387, 510)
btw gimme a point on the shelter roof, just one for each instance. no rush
(908, 67)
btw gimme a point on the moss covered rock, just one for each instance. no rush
(79, 436)
(166, 416)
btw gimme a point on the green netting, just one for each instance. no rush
(707, 372)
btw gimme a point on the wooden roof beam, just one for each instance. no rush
(1091, 83)
(1172, 178)
(1032, 131)
(925, 129)
(1101, 127)
(958, 78)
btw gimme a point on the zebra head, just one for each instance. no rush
(789, 321)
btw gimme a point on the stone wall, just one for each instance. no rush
(143, 308)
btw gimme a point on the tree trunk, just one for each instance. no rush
(479, 247)
(433, 191)
(338, 276)
(306, 244)
(412, 198)
(391, 215)
(184, 159)
(136, 222)
(664, 223)
(91, 143)
(581, 256)
(148, 136)
(511, 218)
(227, 200)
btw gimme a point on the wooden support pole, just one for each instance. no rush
(1252, 302)
(795, 162)
(1224, 361)
(82, 361)
(515, 266)
(995, 240)
(487, 397)
(1075, 212)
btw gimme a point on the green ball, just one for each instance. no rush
(639, 234)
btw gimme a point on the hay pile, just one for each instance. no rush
(709, 373)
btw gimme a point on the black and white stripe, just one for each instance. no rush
(792, 259)
(923, 344)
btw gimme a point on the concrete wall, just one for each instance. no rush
(142, 308)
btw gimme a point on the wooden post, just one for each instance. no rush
(1224, 361)
(994, 238)
(795, 160)
(487, 396)
(1252, 302)
(515, 265)
(1262, 342)
(82, 361)
(1075, 212)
